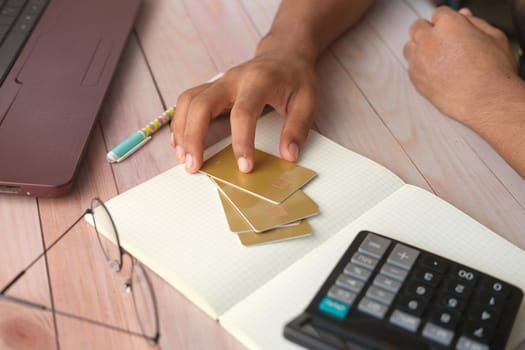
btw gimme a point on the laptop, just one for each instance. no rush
(57, 58)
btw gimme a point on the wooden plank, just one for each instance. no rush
(22, 327)
(225, 30)
(422, 8)
(447, 162)
(174, 51)
(346, 117)
(261, 13)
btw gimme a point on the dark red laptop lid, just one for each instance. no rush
(50, 100)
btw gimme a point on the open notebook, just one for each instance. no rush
(174, 224)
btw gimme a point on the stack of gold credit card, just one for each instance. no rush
(266, 205)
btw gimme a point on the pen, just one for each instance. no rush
(139, 138)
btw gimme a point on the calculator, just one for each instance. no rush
(386, 294)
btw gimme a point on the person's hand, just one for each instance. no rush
(460, 63)
(286, 82)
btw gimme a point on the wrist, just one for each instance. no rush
(500, 116)
(503, 105)
(289, 47)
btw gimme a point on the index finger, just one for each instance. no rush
(418, 28)
(209, 104)
(246, 110)
(442, 12)
(179, 120)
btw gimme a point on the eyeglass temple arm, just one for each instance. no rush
(80, 318)
(21, 273)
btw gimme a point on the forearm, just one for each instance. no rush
(501, 121)
(305, 28)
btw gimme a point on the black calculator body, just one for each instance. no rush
(385, 294)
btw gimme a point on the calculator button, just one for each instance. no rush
(445, 318)
(486, 315)
(477, 330)
(349, 283)
(334, 307)
(465, 275)
(403, 256)
(434, 263)
(387, 283)
(374, 246)
(488, 299)
(465, 343)
(342, 295)
(364, 261)
(405, 321)
(452, 302)
(438, 334)
(394, 272)
(380, 295)
(428, 277)
(459, 289)
(411, 305)
(357, 272)
(372, 308)
(419, 290)
(496, 287)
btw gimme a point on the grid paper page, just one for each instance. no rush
(174, 223)
(412, 215)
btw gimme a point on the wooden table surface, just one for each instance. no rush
(368, 105)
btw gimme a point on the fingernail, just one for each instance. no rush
(179, 153)
(465, 11)
(243, 164)
(189, 161)
(172, 140)
(293, 149)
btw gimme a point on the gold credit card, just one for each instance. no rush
(262, 215)
(235, 220)
(273, 179)
(247, 238)
(303, 229)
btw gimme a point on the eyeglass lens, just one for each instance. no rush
(141, 288)
(106, 234)
(145, 302)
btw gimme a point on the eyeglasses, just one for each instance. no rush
(138, 284)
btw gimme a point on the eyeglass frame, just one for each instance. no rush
(152, 340)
